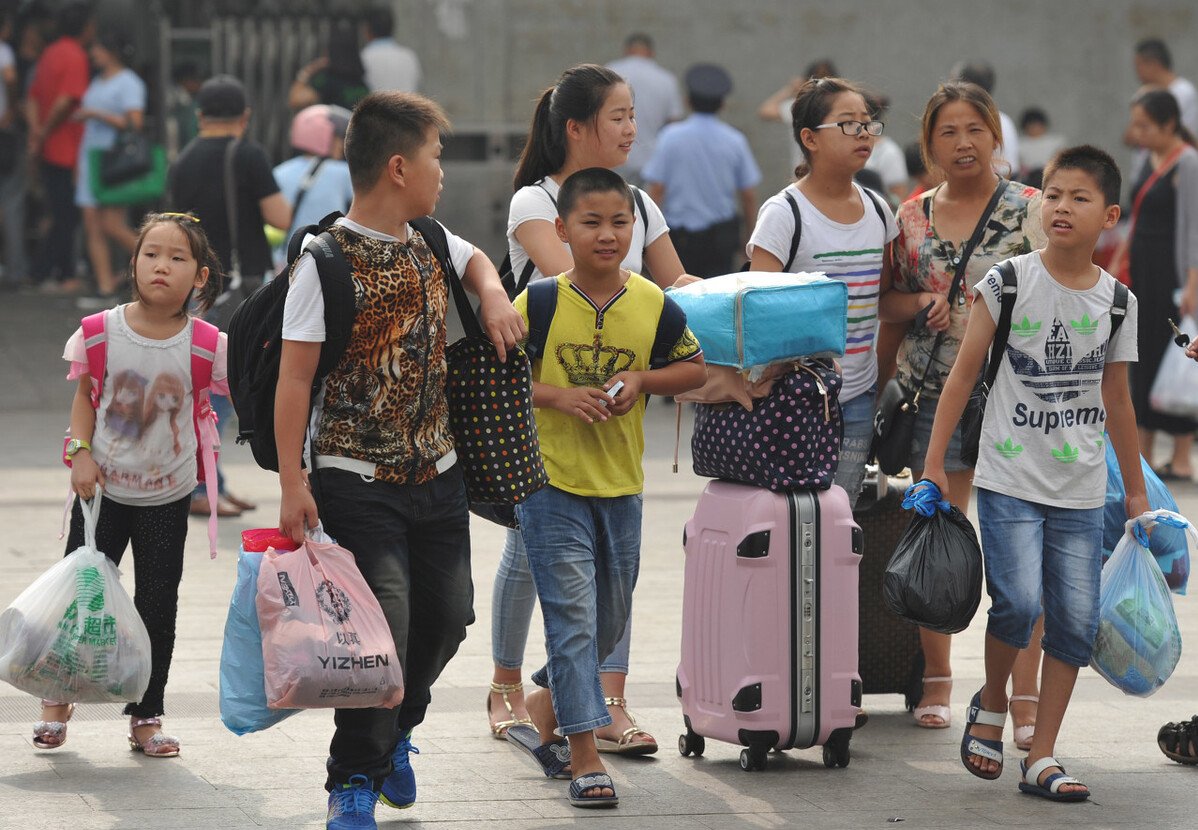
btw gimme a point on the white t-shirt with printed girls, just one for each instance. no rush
(851, 253)
(144, 440)
(536, 201)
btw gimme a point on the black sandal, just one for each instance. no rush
(1179, 741)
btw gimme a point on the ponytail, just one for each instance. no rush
(543, 153)
(578, 95)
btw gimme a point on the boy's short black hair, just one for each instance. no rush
(1154, 49)
(585, 182)
(386, 124)
(1097, 163)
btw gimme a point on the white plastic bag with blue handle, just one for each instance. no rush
(1138, 643)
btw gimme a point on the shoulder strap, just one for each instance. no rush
(95, 342)
(305, 185)
(438, 243)
(1010, 289)
(231, 208)
(525, 275)
(644, 211)
(204, 339)
(670, 327)
(797, 235)
(542, 303)
(336, 287)
(878, 208)
(1118, 308)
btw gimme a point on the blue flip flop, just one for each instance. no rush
(982, 747)
(589, 782)
(1051, 788)
(553, 758)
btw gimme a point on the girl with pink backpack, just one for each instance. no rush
(131, 435)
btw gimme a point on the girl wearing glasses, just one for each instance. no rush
(841, 230)
(961, 137)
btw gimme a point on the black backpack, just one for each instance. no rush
(256, 331)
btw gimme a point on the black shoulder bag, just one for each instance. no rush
(894, 420)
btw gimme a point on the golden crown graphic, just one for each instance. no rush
(594, 364)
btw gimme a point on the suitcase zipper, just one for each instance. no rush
(738, 311)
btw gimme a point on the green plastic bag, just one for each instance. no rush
(137, 191)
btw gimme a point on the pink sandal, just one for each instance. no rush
(157, 745)
(52, 734)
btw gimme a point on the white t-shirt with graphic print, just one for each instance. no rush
(850, 253)
(145, 439)
(1042, 436)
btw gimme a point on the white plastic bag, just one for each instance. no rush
(74, 635)
(1138, 643)
(1175, 388)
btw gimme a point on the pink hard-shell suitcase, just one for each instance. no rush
(769, 622)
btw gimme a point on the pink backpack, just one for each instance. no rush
(204, 339)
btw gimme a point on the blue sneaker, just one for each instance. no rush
(399, 788)
(351, 807)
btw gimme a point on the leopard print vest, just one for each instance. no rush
(384, 402)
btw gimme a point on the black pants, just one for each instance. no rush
(56, 254)
(157, 534)
(709, 252)
(412, 545)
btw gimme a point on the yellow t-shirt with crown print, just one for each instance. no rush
(586, 345)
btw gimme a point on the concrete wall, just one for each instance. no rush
(486, 60)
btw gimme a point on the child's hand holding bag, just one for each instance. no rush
(74, 634)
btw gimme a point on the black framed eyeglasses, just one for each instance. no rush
(854, 128)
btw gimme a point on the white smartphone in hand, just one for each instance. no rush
(615, 390)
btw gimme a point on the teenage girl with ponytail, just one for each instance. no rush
(844, 230)
(584, 120)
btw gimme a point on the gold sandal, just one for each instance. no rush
(626, 745)
(499, 728)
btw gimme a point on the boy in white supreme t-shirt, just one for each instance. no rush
(1041, 471)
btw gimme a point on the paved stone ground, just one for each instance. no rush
(467, 780)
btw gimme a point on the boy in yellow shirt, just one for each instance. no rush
(583, 531)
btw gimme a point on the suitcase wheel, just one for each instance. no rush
(836, 750)
(691, 743)
(753, 759)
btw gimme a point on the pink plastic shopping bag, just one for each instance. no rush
(325, 641)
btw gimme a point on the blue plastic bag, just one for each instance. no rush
(1169, 545)
(1138, 643)
(242, 673)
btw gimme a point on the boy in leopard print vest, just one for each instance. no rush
(385, 477)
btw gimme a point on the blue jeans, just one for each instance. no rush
(858, 415)
(513, 599)
(1042, 557)
(584, 554)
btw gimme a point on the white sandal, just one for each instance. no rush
(935, 710)
(1023, 732)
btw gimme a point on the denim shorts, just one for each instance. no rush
(922, 436)
(1041, 557)
(858, 415)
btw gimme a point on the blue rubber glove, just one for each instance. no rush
(924, 498)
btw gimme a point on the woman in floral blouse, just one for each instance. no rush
(960, 137)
